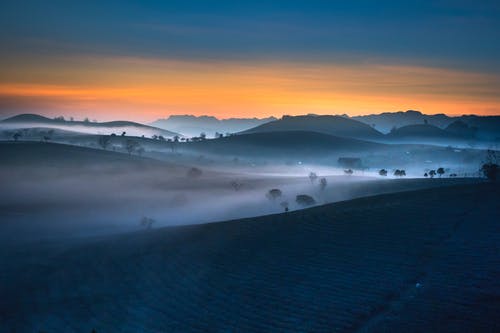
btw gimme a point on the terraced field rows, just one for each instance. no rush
(342, 267)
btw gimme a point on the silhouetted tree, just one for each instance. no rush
(305, 200)
(440, 172)
(322, 184)
(382, 172)
(124, 133)
(399, 173)
(203, 136)
(194, 173)
(432, 173)
(236, 185)
(490, 171)
(274, 194)
(104, 141)
(313, 176)
(161, 138)
(348, 171)
(490, 167)
(86, 120)
(426, 175)
(16, 136)
(147, 222)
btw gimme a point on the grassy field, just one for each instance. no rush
(417, 261)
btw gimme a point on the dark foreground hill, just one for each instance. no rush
(423, 261)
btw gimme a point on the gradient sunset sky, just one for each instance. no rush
(143, 60)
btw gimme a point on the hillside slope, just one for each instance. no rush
(411, 261)
(282, 143)
(332, 125)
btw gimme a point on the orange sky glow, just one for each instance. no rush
(139, 89)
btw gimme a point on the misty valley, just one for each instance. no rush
(144, 228)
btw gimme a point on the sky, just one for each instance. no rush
(143, 60)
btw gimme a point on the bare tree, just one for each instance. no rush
(322, 184)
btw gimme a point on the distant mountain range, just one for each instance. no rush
(482, 127)
(398, 127)
(132, 128)
(192, 125)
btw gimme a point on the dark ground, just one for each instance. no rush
(421, 261)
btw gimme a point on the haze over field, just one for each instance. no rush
(236, 166)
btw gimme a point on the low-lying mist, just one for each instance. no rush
(70, 200)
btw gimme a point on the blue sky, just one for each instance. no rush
(456, 35)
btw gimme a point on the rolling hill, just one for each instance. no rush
(37, 154)
(282, 143)
(422, 132)
(34, 120)
(412, 261)
(332, 125)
